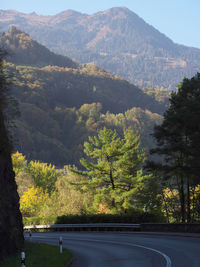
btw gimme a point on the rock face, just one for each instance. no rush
(11, 228)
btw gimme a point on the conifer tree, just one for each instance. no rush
(178, 142)
(113, 169)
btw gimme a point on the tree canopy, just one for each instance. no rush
(113, 170)
(178, 143)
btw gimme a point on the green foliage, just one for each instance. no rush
(42, 190)
(39, 220)
(71, 103)
(19, 162)
(135, 217)
(177, 139)
(5, 108)
(64, 198)
(161, 95)
(113, 171)
(58, 97)
(44, 175)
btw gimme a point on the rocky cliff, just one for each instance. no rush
(11, 228)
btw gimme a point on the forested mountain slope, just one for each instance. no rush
(61, 106)
(116, 39)
(25, 51)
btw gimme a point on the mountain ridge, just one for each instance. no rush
(25, 51)
(116, 39)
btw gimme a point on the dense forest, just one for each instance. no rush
(117, 179)
(71, 103)
(25, 51)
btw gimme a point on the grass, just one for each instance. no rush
(40, 255)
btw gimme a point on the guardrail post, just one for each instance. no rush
(23, 259)
(61, 244)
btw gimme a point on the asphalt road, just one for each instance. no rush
(127, 249)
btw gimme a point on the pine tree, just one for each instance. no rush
(113, 169)
(178, 142)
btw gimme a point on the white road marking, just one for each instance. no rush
(167, 258)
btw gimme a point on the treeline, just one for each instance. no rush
(111, 180)
(47, 193)
(57, 86)
(58, 136)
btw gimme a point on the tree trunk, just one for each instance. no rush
(182, 200)
(188, 202)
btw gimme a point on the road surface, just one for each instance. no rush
(126, 249)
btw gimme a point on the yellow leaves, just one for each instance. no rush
(171, 202)
(195, 192)
(32, 200)
(44, 175)
(168, 193)
(103, 209)
(19, 162)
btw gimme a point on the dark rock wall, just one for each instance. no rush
(11, 228)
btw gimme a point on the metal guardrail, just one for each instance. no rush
(97, 226)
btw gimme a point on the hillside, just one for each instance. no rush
(61, 106)
(25, 51)
(116, 39)
(67, 86)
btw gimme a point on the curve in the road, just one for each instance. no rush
(167, 258)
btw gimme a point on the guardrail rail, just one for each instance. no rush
(85, 227)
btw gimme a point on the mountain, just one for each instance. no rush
(25, 51)
(116, 39)
(61, 106)
(68, 86)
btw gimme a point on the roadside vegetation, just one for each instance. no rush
(112, 178)
(40, 255)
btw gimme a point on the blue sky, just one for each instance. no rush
(178, 19)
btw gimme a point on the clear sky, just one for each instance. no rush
(178, 19)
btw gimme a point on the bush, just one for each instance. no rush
(137, 217)
(39, 220)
